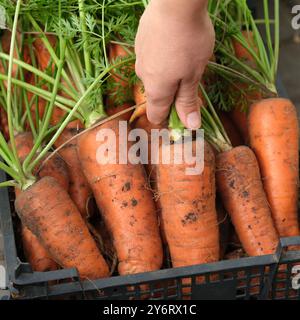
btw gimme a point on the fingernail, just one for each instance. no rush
(193, 120)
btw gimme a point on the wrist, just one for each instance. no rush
(179, 10)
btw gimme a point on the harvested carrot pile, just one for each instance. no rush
(68, 85)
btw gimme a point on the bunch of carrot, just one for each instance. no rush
(58, 89)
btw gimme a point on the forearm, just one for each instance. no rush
(181, 9)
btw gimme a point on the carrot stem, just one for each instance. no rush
(21, 175)
(86, 53)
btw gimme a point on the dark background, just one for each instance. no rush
(289, 66)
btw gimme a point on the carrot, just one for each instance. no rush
(5, 44)
(143, 123)
(35, 253)
(24, 143)
(274, 133)
(120, 83)
(42, 54)
(231, 130)
(239, 116)
(48, 212)
(188, 211)
(224, 227)
(139, 120)
(44, 61)
(239, 119)
(59, 114)
(117, 51)
(79, 189)
(234, 238)
(241, 189)
(4, 123)
(139, 95)
(243, 53)
(125, 202)
(140, 100)
(37, 256)
(115, 109)
(56, 168)
(40, 105)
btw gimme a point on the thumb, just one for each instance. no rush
(188, 104)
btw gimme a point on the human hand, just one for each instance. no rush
(173, 46)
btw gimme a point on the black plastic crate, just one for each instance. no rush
(265, 277)
(262, 277)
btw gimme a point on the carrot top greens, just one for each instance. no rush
(76, 79)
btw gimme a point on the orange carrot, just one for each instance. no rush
(274, 134)
(239, 116)
(224, 227)
(42, 54)
(116, 109)
(241, 189)
(57, 115)
(125, 202)
(140, 100)
(24, 144)
(139, 120)
(139, 95)
(48, 212)
(4, 123)
(231, 130)
(239, 119)
(188, 211)
(117, 51)
(56, 168)
(44, 60)
(5, 43)
(37, 256)
(79, 189)
(241, 52)
(120, 81)
(40, 105)
(35, 253)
